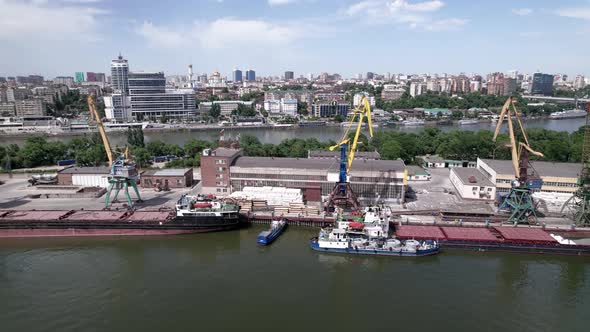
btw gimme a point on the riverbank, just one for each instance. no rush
(274, 135)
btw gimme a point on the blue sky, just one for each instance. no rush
(59, 37)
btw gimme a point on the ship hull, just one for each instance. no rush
(55, 228)
(569, 250)
(420, 253)
(267, 240)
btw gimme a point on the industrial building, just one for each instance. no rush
(557, 177)
(471, 183)
(84, 176)
(226, 170)
(435, 161)
(170, 178)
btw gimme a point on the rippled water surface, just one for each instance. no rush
(224, 281)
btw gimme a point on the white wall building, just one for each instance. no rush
(289, 106)
(470, 183)
(118, 107)
(417, 88)
(272, 106)
(358, 96)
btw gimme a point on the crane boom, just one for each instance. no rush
(362, 111)
(519, 201)
(342, 194)
(508, 110)
(105, 140)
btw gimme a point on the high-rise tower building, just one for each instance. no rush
(237, 75)
(250, 75)
(119, 75)
(79, 77)
(289, 75)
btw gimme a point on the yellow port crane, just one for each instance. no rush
(123, 172)
(519, 201)
(103, 134)
(342, 194)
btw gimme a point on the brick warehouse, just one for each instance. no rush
(226, 170)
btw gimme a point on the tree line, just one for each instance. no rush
(456, 144)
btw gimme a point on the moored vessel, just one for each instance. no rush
(267, 237)
(413, 122)
(576, 113)
(369, 235)
(468, 122)
(207, 212)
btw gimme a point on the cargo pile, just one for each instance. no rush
(273, 196)
(297, 209)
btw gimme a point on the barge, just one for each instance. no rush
(496, 238)
(52, 223)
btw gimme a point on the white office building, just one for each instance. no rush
(358, 96)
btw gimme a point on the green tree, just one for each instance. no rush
(302, 108)
(135, 137)
(141, 156)
(215, 111)
(457, 115)
(339, 118)
(391, 150)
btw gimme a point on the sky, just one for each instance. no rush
(60, 37)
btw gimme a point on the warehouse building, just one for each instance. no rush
(471, 183)
(226, 170)
(561, 178)
(84, 176)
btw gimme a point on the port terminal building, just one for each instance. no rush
(558, 178)
(471, 183)
(225, 170)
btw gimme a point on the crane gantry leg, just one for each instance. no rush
(577, 207)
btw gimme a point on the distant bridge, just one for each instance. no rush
(557, 99)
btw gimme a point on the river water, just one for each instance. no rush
(225, 282)
(275, 136)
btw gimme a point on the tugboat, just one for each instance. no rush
(267, 237)
(207, 212)
(370, 237)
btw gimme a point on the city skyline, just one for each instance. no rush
(304, 36)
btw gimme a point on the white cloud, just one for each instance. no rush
(227, 32)
(522, 11)
(446, 24)
(581, 12)
(392, 8)
(37, 19)
(222, 33)
(280, 2)
(161, 36)
(404, 12)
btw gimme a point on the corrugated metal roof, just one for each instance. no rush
(467, 174)
(544, 168)
(167, 172)
(336, 154)
(321, 164)
(225, 152)
(102, 170)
